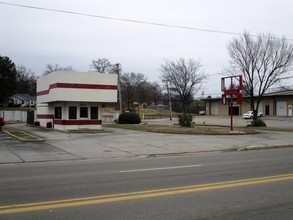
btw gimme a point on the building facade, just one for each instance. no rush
(70, 100)
(272, 104)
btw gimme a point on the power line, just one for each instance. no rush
(127, 20)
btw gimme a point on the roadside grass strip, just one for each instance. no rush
(37, 206)
(177, 129)
(21, 135)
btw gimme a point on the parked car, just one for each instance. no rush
(249, 114)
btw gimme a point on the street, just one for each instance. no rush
(234, 185)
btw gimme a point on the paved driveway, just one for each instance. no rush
(15, 151)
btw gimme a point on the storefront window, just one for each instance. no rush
(58, 112)
(83, 112)
(72, 112)
(94, 113)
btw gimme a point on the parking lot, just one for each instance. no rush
(118, 143)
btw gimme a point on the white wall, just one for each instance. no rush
(76, 94)
(20, 116)
(109, 117)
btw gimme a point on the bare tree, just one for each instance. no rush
(130, 84)
(102, 66)
(148, 93)
(143, 93)
(184, 77)
(25, 80)
(156, 93)
(55, 67)
(264, 61)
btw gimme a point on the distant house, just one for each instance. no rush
(70, 100)
(23, 100)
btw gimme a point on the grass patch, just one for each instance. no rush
(23, 136)
(176, 129)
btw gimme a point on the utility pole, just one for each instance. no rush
(169, 97)
(118, 68)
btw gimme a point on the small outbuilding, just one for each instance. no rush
(70, 100)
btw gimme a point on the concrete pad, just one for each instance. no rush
(89, 149)
(32, 152)
(6, 156)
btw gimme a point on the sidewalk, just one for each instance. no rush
(119, 143)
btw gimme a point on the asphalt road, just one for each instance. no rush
(236, 185)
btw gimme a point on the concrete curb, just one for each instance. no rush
(264, 147)
(207, 133)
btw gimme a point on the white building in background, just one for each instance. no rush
(70, 100)
(23, 100)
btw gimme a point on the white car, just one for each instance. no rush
(249, 114)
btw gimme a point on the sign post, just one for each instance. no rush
(231, 86)
(231, 113)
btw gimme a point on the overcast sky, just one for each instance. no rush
(35, 37)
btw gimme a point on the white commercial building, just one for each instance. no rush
(70, 100)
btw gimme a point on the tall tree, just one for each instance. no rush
(130, 84)
(55, 67)
(102, 65)
(264, 61)
(7, 79)
(184, 77)
(25, 80)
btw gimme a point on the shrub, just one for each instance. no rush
(185, 120)
(258, 123)
(129, 118)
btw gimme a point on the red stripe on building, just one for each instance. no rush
(77, 122)
(45, 116)
(76, 86)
